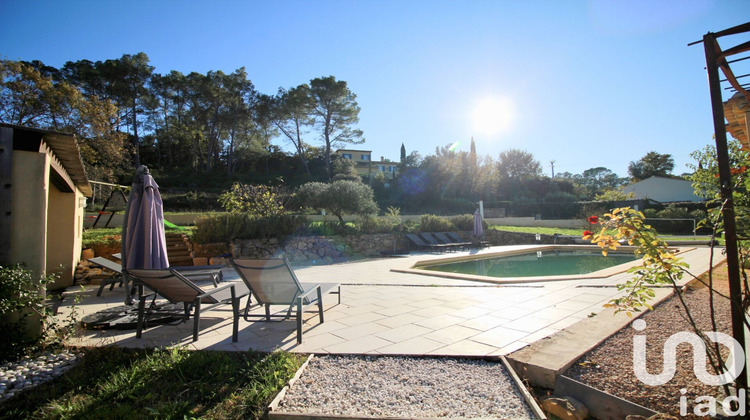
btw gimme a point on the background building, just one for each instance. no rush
(365, 166)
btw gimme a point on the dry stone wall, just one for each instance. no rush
(338, 248)
(318, 248)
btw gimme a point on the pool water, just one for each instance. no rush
(539, 263)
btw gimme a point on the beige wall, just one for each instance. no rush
(63, 236)
(28, 231)
(46, 224)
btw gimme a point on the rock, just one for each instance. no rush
(566, 408)
(200, 261)
(663, 416)
(635, 417)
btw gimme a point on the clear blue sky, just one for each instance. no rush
(583, 83)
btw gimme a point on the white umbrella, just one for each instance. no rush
(478, 228)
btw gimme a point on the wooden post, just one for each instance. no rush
(725, 178)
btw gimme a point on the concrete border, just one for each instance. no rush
(540, 362)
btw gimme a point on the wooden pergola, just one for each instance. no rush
(736, 112)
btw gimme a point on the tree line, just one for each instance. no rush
(125, 114)
(204, 131)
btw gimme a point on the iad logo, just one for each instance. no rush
(705, 405)
(734, 363)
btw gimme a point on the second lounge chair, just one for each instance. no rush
(273, 282)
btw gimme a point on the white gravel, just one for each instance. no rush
(384, 386)
(34, 370)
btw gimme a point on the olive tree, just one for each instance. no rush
(338, 198)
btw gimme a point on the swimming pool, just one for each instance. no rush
(529, 264)
(536, 263)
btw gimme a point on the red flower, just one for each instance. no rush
(737, 171)
(593, 220)
(587, 233)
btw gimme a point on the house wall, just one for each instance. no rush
(664, 190)
(46, 224)
(28, 230)
(64, 235)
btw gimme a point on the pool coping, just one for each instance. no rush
(600, 274)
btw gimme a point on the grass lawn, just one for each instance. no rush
(579, 233)
(112, 382)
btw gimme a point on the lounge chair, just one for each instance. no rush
(420, 243)
(479, 243)
(194, 273)
(177, 288)
(273, 282)
(443, 237)
(432, 240)
(112, 266)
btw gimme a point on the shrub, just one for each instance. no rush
(254, 199)
(327, 229)
(226, 227)
(463, 222)
(377, 224)
(432, 223)
(384, 224)
(22, 305)
(220, 227)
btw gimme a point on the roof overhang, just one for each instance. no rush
(64, 149)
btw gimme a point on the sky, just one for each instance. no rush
(582, 84)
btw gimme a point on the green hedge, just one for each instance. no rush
(226, 227)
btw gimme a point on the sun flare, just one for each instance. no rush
(493, 115)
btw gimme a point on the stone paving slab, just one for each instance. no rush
(385, 312)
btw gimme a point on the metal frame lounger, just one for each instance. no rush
(273, 282)
(434, 241)
(443, 237)
(479, 243)
(420, 243)
(177, 288)
(193, 272)
(111, 266)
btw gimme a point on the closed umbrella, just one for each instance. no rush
(144, 245)
(478, 229)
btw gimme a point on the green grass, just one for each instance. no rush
(541, 230)
(579, 233)
(166, 384)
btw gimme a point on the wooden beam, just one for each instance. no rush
(712, 51)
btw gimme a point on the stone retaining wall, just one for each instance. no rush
(319, 248)
(334, 248)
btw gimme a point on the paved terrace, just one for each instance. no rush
(387, 312)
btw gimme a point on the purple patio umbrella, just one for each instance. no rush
(144, 245)
(478, 228)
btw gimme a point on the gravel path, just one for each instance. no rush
(382, 386)
(609, 366)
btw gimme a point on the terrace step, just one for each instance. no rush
(180, 261)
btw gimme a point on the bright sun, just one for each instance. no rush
(494, 115)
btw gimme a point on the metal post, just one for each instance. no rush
(725, 178)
